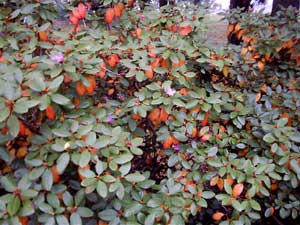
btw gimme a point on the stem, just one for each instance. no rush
(109, 70)
(84, 24)
(277, 220)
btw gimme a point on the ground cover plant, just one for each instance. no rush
(129, 116)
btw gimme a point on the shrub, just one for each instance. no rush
(126, 116)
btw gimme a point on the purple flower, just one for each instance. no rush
(59, 57)
(170, 91)
(110, 119)
(176, 148)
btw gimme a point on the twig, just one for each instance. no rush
(84, 24)
(109, 70)
(277, 220)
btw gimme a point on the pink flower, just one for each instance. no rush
(170, 91)
(176, 148)
(110, 119)
(142, 17)
(59, 57)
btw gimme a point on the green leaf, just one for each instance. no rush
(269, 138)
(282, 122)
(27, 208)
(69, 68)
(13, 125)
(60, 99)
(178, 102)
(75, 219)
(30, 193)
(28, 8)
(237, 205)
(101, 189)
(202, 202)
(180, 136)
(91, 138)
(255, 205)
(133, 209)
(54, 85)
(227, 187)
(8, 184)
(295, 166)
(85, 212)
(177, 220)
(274, 175)
(46, 208)
(53, 200)
(61, 220)
(208, 194)
(47, 180)
(4, 113)
(85, 158)
(44, 27)
(108, 214)
(214, 162)
(62, 162)
(150, 219)
(124, 158)
(37, 84)
(135, 177)
(13, 205)
(23, 106)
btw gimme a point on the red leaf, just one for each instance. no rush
(185, 30)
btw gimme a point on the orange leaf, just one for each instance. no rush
(90, 89)
(194, 133)
(50, 112)
(168, 142)
(130, 3)
(67, 78)
(237, 190)
(117, 10)
(55, 174)
(220, 184)
(109, 15)
(149, 74)
(214, 181)
(22, 128)
(260, 66)
(205, 137)
(217, 215)
(22, 152)
(205, 120)
(163, 115)
(154, 64)
(258, 96)
(80, 88)
(113, 60)
(183, 91)
(23, 220)
(154, 114)
(164, 63)
(138, 32)
(43, 36)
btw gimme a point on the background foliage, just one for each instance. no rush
(128, 116)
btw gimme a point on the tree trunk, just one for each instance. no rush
(245, 4)
(284, 3)
(163, 3)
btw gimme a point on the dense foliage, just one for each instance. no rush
(126, 116)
